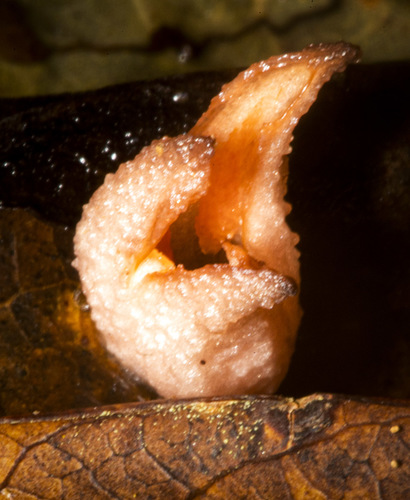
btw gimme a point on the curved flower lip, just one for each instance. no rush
(378, 87)
(139, 299)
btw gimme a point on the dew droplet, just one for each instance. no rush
(81, 301)
(185, 54)
(180, 97)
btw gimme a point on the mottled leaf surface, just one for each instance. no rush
(322, 446)
(51, 356)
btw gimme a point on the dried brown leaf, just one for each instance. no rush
(51, 356)
(321, 446)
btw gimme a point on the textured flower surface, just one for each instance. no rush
(223, 328)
